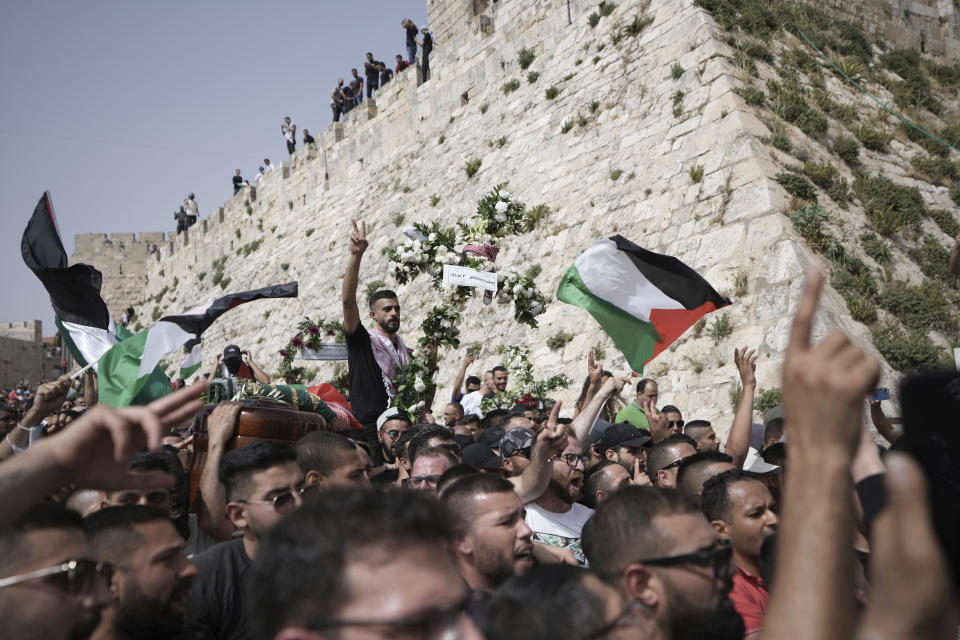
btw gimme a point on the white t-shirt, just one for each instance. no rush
(559, 529)
(471, 403)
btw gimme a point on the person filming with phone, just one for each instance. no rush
(234, 363)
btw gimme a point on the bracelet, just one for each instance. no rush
(15, 448)
(20, 426)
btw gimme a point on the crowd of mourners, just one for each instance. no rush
(627, 517)
(345, 96)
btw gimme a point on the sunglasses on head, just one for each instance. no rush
(75, 577)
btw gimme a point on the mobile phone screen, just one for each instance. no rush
(880, 394)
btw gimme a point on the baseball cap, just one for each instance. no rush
(232, 351)
(623, 434)
(491, 437)
(773, 414)
(757, 464)
(515, 440)
(481, 456)
(392, 413)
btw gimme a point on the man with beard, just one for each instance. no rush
(234, 365)
(373, 358)
(702, 431)
(50, 586)
(664, 458)
(626, 445)
(500, 379)
(741, 509)
(151, 574)
(262, 483)
(602, 480)
(556, 517)
(392, 427)
(491, 539)
(452, 412)
(656, 548)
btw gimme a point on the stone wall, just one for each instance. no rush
(932, 26)
(614, 152)
(30, 330)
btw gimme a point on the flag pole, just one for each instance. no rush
(79, 373)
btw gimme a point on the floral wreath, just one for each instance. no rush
(310, 335)
(431, 246)
(527, 391)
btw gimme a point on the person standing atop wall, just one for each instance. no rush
(193, 210)
(237, 182)
(411, 30)
(356, 84)
(426, 46)
(289, 131)
(336, 100)
(372, 72)
(386, 74)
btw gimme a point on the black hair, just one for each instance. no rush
(300, 566)
(458, 497)
(381, 294)
(473, 380)
(774, 429)
(437, 452)
(238, 465)
(670, 409)
(642, 385)
(151, 461)
(111, 530)
(715, 499)
(622, 529)
(691, 465)
(696, 424)
(419, 440)
(662, 453)
(499, 368)
(457, 406)
(14, 550)
(488, 417)
(454, 473)
(592, 481)
(550, 601)
(468, 418)
(323, 451)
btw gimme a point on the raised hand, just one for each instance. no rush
(659, 423)
(594, 370)
(640, 478)
(746, 361)
(553, 433)
(824, 385)
(49, 397)
(613, 386)
(358, 239)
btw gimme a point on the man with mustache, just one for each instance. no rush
(741, 509)
(491, 538)
(50, 585)
(556, 517)
(151, 573)
(655, 547)
(373, 357)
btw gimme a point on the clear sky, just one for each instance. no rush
(122, 107)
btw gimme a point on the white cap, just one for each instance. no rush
(391, 412)
(756, 464)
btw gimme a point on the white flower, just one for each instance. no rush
(417, 245)
(512, 278)
(501, 206)
(536, 308)
(500, 218)
(488, 266)
(501, 276)
(505, 194)
(432, 237)
(517, 289)
(419, 386)
(531, 291)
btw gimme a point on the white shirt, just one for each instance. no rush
(567, 525)
(471, 403)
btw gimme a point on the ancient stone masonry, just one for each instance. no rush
(624, 123)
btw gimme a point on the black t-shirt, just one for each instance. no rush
(238, 181)
(347, 92)
(411, 36)
(218, 605)
(370, 70)
(427, 43)
(356, 84)
(385, 76)
(308, 139)
(368, 397)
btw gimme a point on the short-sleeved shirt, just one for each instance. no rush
(634, 415)
(238, 181)
(368, 396)
(356, 84)
(749, 596)
(385, 76)
(559, 529)
(411, 35)
(218, 605)
(370, 70)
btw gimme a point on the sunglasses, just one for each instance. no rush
(284, 503)
(676, 423)
(394, 433)
(75, 577)
(675, 463)
(719, 557)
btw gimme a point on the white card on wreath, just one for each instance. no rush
(326, 351)
(467, 277)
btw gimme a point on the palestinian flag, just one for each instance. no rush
(125, 368)
(81, 315)
(643, 300)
